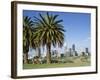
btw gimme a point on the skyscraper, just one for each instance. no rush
(86, 50)
(73, 47)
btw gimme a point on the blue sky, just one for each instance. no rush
(77, 26)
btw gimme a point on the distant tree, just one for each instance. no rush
(83, 53)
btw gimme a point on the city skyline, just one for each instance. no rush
(77, 26)
(65, 51)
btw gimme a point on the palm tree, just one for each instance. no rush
(36, 45)
(49, 31)
(27, 33)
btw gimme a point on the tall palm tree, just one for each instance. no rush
(27, 33)
(49, 31)
(36, 45)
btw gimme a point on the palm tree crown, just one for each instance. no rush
(49, 30)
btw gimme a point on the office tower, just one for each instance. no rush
(73, 47)
(65, 48)
(86, 50)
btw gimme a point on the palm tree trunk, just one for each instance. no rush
(38, 52)
(48, 54)
(25, 58)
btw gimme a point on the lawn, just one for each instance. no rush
(76, 63)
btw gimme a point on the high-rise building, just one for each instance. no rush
(73, 47)
(65, 48)
(86, 50)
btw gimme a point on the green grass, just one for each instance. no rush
(77, 62)
(34, 66)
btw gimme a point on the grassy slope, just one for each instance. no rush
(77, 63)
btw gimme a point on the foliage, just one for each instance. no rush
(49, 31)
(27, 33)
